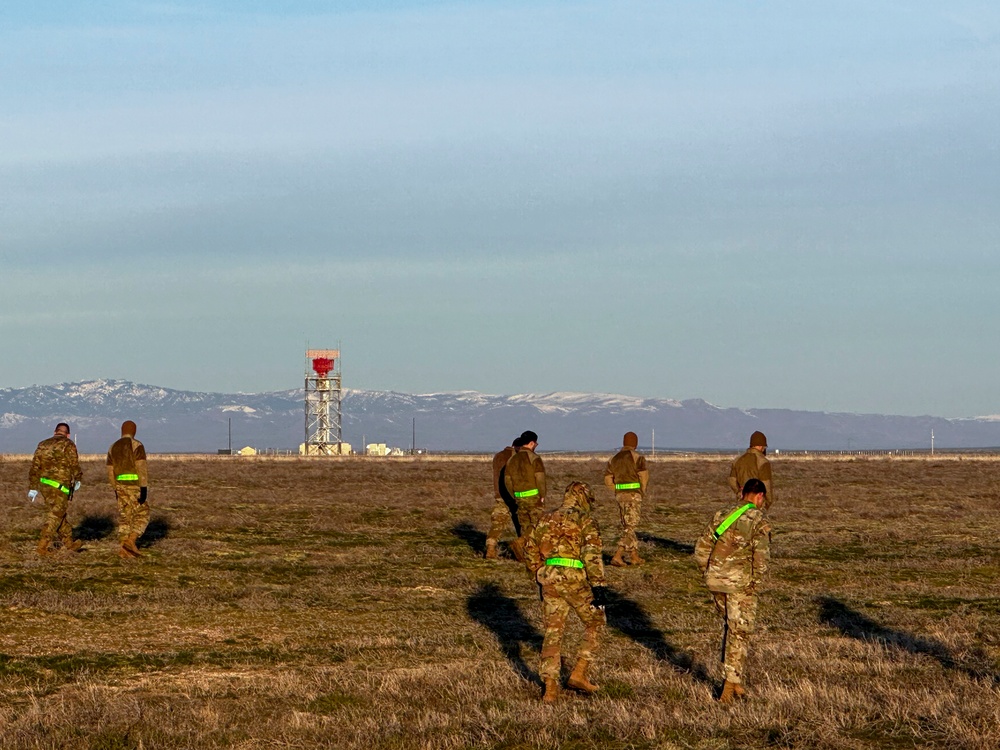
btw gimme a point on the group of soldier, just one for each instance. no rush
(563, 551)
(56, 474)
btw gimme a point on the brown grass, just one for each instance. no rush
(344, 603)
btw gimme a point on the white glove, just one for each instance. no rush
(32, 494)
(76, 486)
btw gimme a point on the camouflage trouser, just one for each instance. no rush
(132, 517)
(739, 613)
(57, 504)
(629, 504)
(500, 517)
(529, 510)
(562, 589)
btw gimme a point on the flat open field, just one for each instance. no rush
(345, 603)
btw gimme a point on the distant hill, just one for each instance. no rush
(189, 421)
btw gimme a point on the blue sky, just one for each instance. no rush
(760, 204)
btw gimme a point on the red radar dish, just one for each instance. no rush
(322, 366)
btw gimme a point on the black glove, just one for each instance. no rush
(600, 595)
(142, 495)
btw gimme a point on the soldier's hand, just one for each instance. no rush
(142, 495)
(32, 494)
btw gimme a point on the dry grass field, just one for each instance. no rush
(346, 604)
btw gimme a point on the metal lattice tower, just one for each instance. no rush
(323, 395)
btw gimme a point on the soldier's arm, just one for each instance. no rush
(532, 548)
(703, 548)
(591, 552)
(36, 472)
(111, 470)
(643, 471)
(761, 553)
(609, 477)
(765, 477)
(74, 460)
(540, 477)
(734, 484)
(140, 465)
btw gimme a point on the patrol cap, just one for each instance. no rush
(758, 439)
(528, 437)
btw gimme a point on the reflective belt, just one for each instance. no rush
(53, 483)
(629, 486)
(127, 477)
(564, 562)
(733, 517)
(526, 493)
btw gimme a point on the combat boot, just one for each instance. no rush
(728, 692)
(43, 546)
(618, 561)
(129, 546)
(578, 679)
(551, 694)
(517, 547)
(72, 545)
(124, 554)
(634, 559)
(491, 549)
(738, 691)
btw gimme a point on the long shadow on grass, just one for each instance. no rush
(471, 536)
(94, 528)
(855, 625)
(630, 619)
(156, 531)
(490, 607)
(670, 544)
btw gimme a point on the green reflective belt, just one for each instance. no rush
(526, 493)
(629, 486)
(733, 517)
(53, 483)
(127, 477)
(564, 562)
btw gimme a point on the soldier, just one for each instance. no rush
(627, 475)
(733, 556)
(55, 471)
(504, 506)
(564, 553)
(752, 465)
(524, 477)
(128, 475)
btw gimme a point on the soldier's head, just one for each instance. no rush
(578, 495)
(759, 441)
(529, 440)
(62, 429)
(128, 428)
(516, 443)
(755, 491)
(631, 440)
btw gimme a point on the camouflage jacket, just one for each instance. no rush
(525, 472)
(566, 532)
(55, 459)
(751, 465)
(737, 560)
(627, 466)
(499, 462)
(127, 456)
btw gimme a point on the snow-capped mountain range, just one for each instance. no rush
(188, 421)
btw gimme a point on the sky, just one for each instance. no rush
(769, 204)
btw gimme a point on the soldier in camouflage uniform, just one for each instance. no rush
(524, 477)
(56, 474)
(752, 465)
(504, 505)
(733, 556)
(564, 553)
(627, 475)
(128, 475)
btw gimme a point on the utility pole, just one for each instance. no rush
(413, 438)
(653, 445)
(932, 441)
